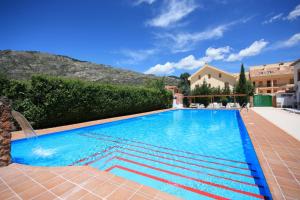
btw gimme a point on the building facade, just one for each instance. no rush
(272, 78)
(213, 76)
(297, 82)
(267, 79)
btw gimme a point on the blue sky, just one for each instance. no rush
(163, 37)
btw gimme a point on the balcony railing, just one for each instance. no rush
(274, 85)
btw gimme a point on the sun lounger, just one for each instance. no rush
(193, 105)
(201, 106)
(210, 105)
(216, 105)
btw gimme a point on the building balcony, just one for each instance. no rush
(275, 86)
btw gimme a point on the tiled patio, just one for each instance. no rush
(26, 182)
(278, 154)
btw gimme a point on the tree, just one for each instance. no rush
(244, 87)
(184, 86)
(4, 83)
(204, 89)
(158, 84)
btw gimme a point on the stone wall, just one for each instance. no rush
(6, 126)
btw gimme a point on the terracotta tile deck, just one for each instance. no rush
(278, 154)
(27, 182)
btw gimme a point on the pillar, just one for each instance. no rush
(6, 126)
(272, 91)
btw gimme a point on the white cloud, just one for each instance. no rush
(172, 12)
(217, 53)
(292, 41)
(183, 42)
(274, 18)
(294, 14)
(138, 2)
(136, 56)
(167, 68)
(254, 49)
(189, 62)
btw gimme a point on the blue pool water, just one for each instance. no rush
(193, 154)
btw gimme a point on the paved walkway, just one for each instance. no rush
(86, 183)
(289, 122)
(278, 154)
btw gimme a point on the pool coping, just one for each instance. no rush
(278, 154)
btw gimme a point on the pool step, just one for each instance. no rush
(163, 154)
(218, 161)
(187, 177)
(163, 163)
(166, 148)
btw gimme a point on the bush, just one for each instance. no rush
(48, 101)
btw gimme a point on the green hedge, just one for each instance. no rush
(48, 101)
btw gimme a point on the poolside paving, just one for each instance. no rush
(278, 154)
(275, 115)
(27, 182)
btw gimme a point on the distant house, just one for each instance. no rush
(177, 96)
(297, 81)
(213, 76)
(272, 78)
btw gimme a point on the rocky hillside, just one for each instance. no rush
(23, 64)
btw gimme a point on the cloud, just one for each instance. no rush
(183, 42)
(172, 12)
(159, 69)
(189, 62)
(138, 2)
(274, 18)
(294, 14)
(136, 56)
(217, 53)
(292, 41)
(254, 49)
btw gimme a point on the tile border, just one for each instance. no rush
(271, 146)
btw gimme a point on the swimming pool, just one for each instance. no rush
(192, 154)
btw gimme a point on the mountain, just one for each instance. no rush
(23, 64)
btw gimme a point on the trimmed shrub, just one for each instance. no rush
(49, 101)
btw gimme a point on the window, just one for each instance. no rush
(260, 83)
(253, 83)
(220, 75)
(199, 77)
(209, 76)
(274, 82)
(268, 91)
(298, 75)
(226, 85)
(268, 83)
(291, 81)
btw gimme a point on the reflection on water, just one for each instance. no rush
(39, 151)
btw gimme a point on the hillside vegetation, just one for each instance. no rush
(23, 64)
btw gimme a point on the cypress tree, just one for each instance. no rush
(242, 87)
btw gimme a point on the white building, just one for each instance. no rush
(297, 81)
